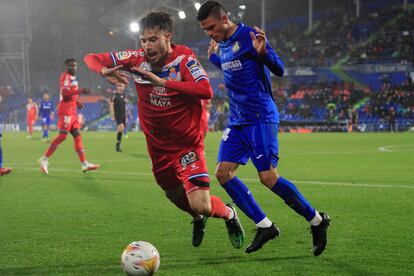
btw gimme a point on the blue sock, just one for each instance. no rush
(46, 133)
(243, 198)
(293, 198)
(125, 131)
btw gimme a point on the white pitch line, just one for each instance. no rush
(393, 148)
(309, 182)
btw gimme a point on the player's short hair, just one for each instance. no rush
(69, 60)
(157, 19)
(210, 8)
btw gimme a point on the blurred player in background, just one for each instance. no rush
(67, 117)
(118, 112)
(129, 122)
(245, 57)
(170, 84)
(32, 111)
(46, 113)
(3, 171)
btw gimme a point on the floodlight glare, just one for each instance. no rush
(197, 5)
(134, 27)
(181, 14)
(242, 7)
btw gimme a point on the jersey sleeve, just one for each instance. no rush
(127, 58)
(192, 70)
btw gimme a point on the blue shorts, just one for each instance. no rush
(258, 142)
(46, 121)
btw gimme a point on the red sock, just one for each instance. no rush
(30, 126)
(55, 143)
(218, 208)
(79, 148)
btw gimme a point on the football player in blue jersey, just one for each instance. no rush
(47, 113)
(246, 57)
(3, 171)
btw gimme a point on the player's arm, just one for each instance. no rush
(212, 54)
(105, 65)
(266, 53)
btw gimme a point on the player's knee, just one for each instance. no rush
(75, 132)
(201, 207)
(63, 135)
(223, 176)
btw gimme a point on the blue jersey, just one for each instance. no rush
(46, 107)
(247, 78)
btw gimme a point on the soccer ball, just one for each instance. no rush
(140, 258)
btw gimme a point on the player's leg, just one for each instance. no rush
(77, 139)
(30, 122)
(3, 171)
(267, 149)
(119, 128)
(232, 152)
(192, 170)
(44, 160)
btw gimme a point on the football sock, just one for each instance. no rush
(30, 126)
(45, 133)
(317, 219)
(218, 208)
(125, 131)
(79, 148)
(264, 223)
(293, 198)
(243, 198)
(119, 137)
(55, 143)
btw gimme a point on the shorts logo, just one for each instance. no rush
(123, 55)
(188, 158)
(225, 134)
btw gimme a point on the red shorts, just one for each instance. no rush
(67, 123)
(187, 167)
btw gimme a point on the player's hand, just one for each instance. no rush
(114, 75)
(147, 75)
(85, 91)
(213, 48)
(259, 40)
(79, 105)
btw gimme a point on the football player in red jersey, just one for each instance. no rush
(170, 84)
(32, 110)
(67, 117)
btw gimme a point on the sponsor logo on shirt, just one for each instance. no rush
(123, 55)
(158, 97)
(195, 69)
(234, 65)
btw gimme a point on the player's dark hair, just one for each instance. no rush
(69, 60)
(210, 8)
(157, 19)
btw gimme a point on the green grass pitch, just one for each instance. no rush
(71, 223)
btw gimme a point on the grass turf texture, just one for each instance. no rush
(71, 223)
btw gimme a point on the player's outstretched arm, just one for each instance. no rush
(201, 89)
(102, 64)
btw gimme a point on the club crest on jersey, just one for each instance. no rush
(188, 158)
(236, 47)
(172, 74)
(123, 55)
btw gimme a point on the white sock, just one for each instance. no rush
(317, 219)
(264, 223)
(44, 158)
(85, 163)
(231, 213)
(199, 217)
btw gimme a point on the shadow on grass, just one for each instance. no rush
(71, 269)
(208, 261)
